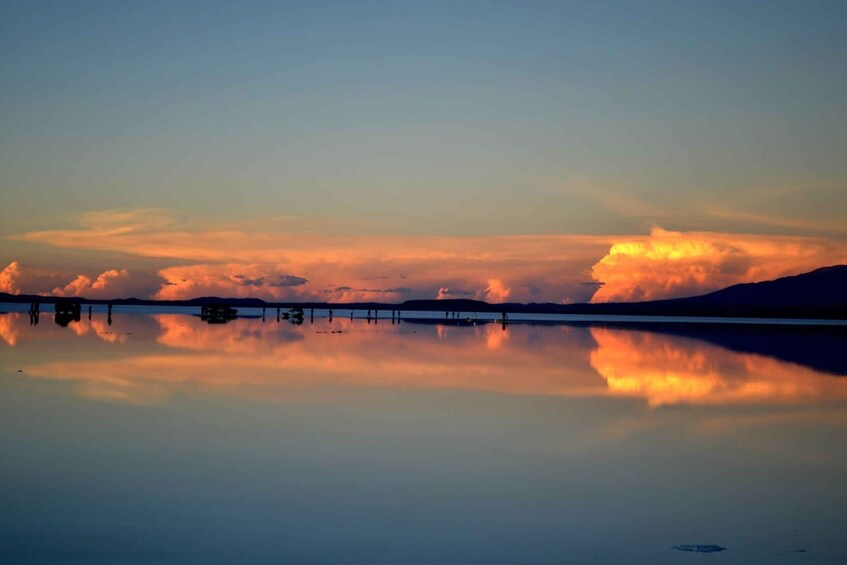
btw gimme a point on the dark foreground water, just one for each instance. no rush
(163, 439)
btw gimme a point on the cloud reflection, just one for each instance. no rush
(167, 353)
(674, 370)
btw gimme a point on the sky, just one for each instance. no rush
(523, 151)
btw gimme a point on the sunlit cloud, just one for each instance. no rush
(668, 264)
(17, 278)
(108, 284)
(233, 260)
(10, 277)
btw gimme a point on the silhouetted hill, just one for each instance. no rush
(819, 288)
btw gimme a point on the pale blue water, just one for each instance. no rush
(162, 439)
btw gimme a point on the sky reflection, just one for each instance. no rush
(149, 358)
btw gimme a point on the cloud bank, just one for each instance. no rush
(266, 262)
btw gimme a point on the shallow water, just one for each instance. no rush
(159, 438)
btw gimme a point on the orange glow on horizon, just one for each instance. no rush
(289, 266)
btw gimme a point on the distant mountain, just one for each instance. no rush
(819, 288)
(818, 294)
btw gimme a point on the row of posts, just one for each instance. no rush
(63, 317)
(395, 315)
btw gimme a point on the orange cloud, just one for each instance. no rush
(669, 264)
(234, 260)
(110, 283)
(9, 278)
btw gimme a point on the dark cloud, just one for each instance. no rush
(454, 292)
(289, 280)
(251, 282)
(398, 290)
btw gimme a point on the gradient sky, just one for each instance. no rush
(394, 150)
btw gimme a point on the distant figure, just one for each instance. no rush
(89, 311)
(351, 315)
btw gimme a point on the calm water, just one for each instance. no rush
(163, 439)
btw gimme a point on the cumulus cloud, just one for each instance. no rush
(668, 264)
(495, 292)
(235, 260)
(9, 278)
(286, 265)
(112, 283)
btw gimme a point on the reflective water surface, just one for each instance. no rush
(160, 438)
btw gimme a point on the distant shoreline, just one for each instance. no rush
(525, 313)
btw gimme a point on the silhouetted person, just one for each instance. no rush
(89, 311)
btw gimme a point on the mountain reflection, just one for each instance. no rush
(671, 369)
(147, 358)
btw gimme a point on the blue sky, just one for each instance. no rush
(455, 119)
